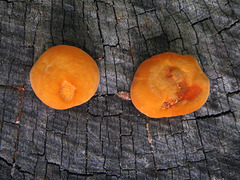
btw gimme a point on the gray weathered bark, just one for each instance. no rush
(107, 137)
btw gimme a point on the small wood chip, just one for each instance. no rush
(17, 121)
(149, 135)
(124, 95)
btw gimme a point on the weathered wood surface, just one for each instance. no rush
(107, 137)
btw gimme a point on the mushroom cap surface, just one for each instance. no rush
(64, 77)
(169, 84)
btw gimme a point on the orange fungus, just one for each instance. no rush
(169, 84)
(64, 77)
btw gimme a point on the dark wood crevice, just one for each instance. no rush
(108, 137)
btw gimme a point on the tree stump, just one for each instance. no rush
(107, 138)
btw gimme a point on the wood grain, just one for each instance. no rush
(107, 138)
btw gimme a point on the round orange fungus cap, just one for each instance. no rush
(64, 77)
(169, 84)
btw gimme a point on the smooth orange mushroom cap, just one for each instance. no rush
(169, 84)
(64, 77)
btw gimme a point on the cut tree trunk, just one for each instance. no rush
(107, 137)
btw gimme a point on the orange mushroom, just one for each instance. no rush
(169, 84)
(64, 77)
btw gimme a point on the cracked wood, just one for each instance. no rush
(107, 137)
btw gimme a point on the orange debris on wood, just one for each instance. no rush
(15, 87)
(131, 51)
(148, 132)
(124, 95)
(20, 88)
(64, 77)
(169, 84)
